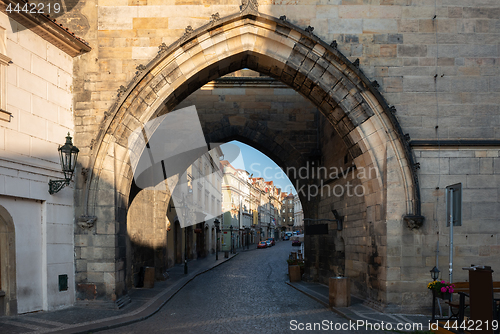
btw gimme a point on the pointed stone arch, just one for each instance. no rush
(273, 47)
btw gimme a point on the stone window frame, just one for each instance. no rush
(4, 62)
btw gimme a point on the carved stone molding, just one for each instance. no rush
(86, 221)
(214, 18)
(249, 7)
(414, 222)
(162, 48)
(140, 68)
(121, 90)
(189, 30)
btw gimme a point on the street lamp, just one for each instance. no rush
(217, 223)
(68, 155)
(247, 233)
(185, 251)
(435, 273)
(184, 214)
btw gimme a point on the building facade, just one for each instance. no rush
(236, 206)
(36, 114)
(288, 211)
(298, 214)
(185, 230)
(251, 206)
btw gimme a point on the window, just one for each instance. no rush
(4, 62)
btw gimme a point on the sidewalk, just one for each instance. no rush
(360, 312)
(84, 319)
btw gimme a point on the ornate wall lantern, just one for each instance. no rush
(435, 273)
(68, 155)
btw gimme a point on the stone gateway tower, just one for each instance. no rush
(384, 103)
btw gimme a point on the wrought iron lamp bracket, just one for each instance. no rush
(56, 185)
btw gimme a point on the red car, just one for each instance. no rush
(262, 244)
(272, 241)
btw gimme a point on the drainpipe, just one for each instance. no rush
(451, 234)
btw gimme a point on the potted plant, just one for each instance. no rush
(442, 289)
(295, 269)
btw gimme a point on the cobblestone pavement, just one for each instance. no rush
(245, 295)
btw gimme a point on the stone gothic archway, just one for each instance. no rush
(273, 47)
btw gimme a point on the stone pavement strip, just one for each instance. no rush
(360, 312)
(91, 318)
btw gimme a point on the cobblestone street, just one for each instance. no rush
(245, 295)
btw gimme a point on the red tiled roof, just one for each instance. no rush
(226, 163)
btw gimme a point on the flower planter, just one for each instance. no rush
(444, 295)
(294, 273)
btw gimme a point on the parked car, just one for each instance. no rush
(269, 244)
(262, 244)
(272, 241)
(296, 241)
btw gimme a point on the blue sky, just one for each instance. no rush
(253, 161)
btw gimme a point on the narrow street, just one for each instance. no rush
(245, 295)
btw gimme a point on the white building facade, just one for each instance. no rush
(36, 228)
(298, 214)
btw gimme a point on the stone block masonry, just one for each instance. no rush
(438, 65)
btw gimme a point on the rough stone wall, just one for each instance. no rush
(476, 241)
(147, 230)
(358, 250)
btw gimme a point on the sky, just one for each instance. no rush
(245, 157)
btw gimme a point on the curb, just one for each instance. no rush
(342, 314)
(155, 309)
